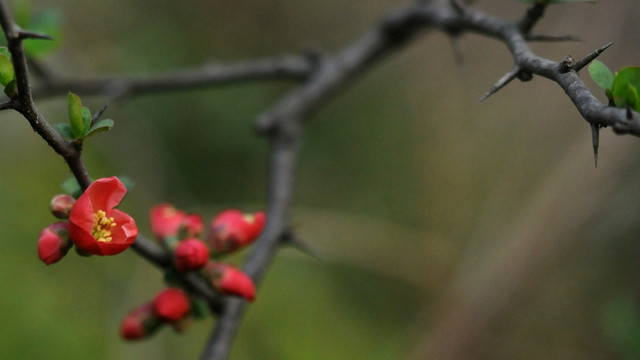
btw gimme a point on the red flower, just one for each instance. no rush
(230, 280)
(232, 229)
(95, 226)
(140, 323)
(191, 254)
(61, 205)
(171, 305)
(165, 220)
(54, 243)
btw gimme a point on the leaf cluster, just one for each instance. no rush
(622, 87)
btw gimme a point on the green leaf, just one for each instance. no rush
(75, 116)
(65, 130)
(102, 125)
(625, 87)
(86, 119)
(4, 51)
(11, 89)
(601, 75)
(199, 308)
(6, 70)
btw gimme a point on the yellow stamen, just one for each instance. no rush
(100, 225)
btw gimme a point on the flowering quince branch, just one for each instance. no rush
(95, 227)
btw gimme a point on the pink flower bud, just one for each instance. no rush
(61, 205)
(231, 230)
(140, 323)
(191, 254)
(54, 242)
(230, 280)
(171, 305)
(165, 221)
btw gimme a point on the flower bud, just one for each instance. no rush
(231, 230)
(230, 280)
(191, 254)
(140, 323)
(61, 205)
(171, 305)
(54, 242)
(165, 221)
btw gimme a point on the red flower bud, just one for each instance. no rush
(54, 243)
(61, 205)
(95, 226)
(171, 305)
(165, 221)
(140, 323)
(230, 280)
(231, 230)
(191, 254)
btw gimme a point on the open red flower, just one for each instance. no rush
(95, 226)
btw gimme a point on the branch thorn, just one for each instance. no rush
(595, 139)
(587, 59)
(504, 80)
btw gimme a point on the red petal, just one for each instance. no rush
(105, 193)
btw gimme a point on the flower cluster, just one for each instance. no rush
(90, 223)
(229, 231)
(179, 232)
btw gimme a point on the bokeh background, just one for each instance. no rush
(447, 228)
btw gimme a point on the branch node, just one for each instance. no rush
(458, 7)
(587, 59)
(567, 64)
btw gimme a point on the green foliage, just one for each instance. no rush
(622, 325)
(622, 87)
(6, 70)
(602, 76)
(80, 120)
(625, 87)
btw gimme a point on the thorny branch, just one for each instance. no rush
(320, 78)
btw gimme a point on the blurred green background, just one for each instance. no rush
(448, 228)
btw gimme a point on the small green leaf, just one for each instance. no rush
(199, 308)
(75, 116)
(86, 119)
(4, 51)
(65, 130)
(6, 70)
(11, 89)
(625, 87)
(601, 75)
(102, 125)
